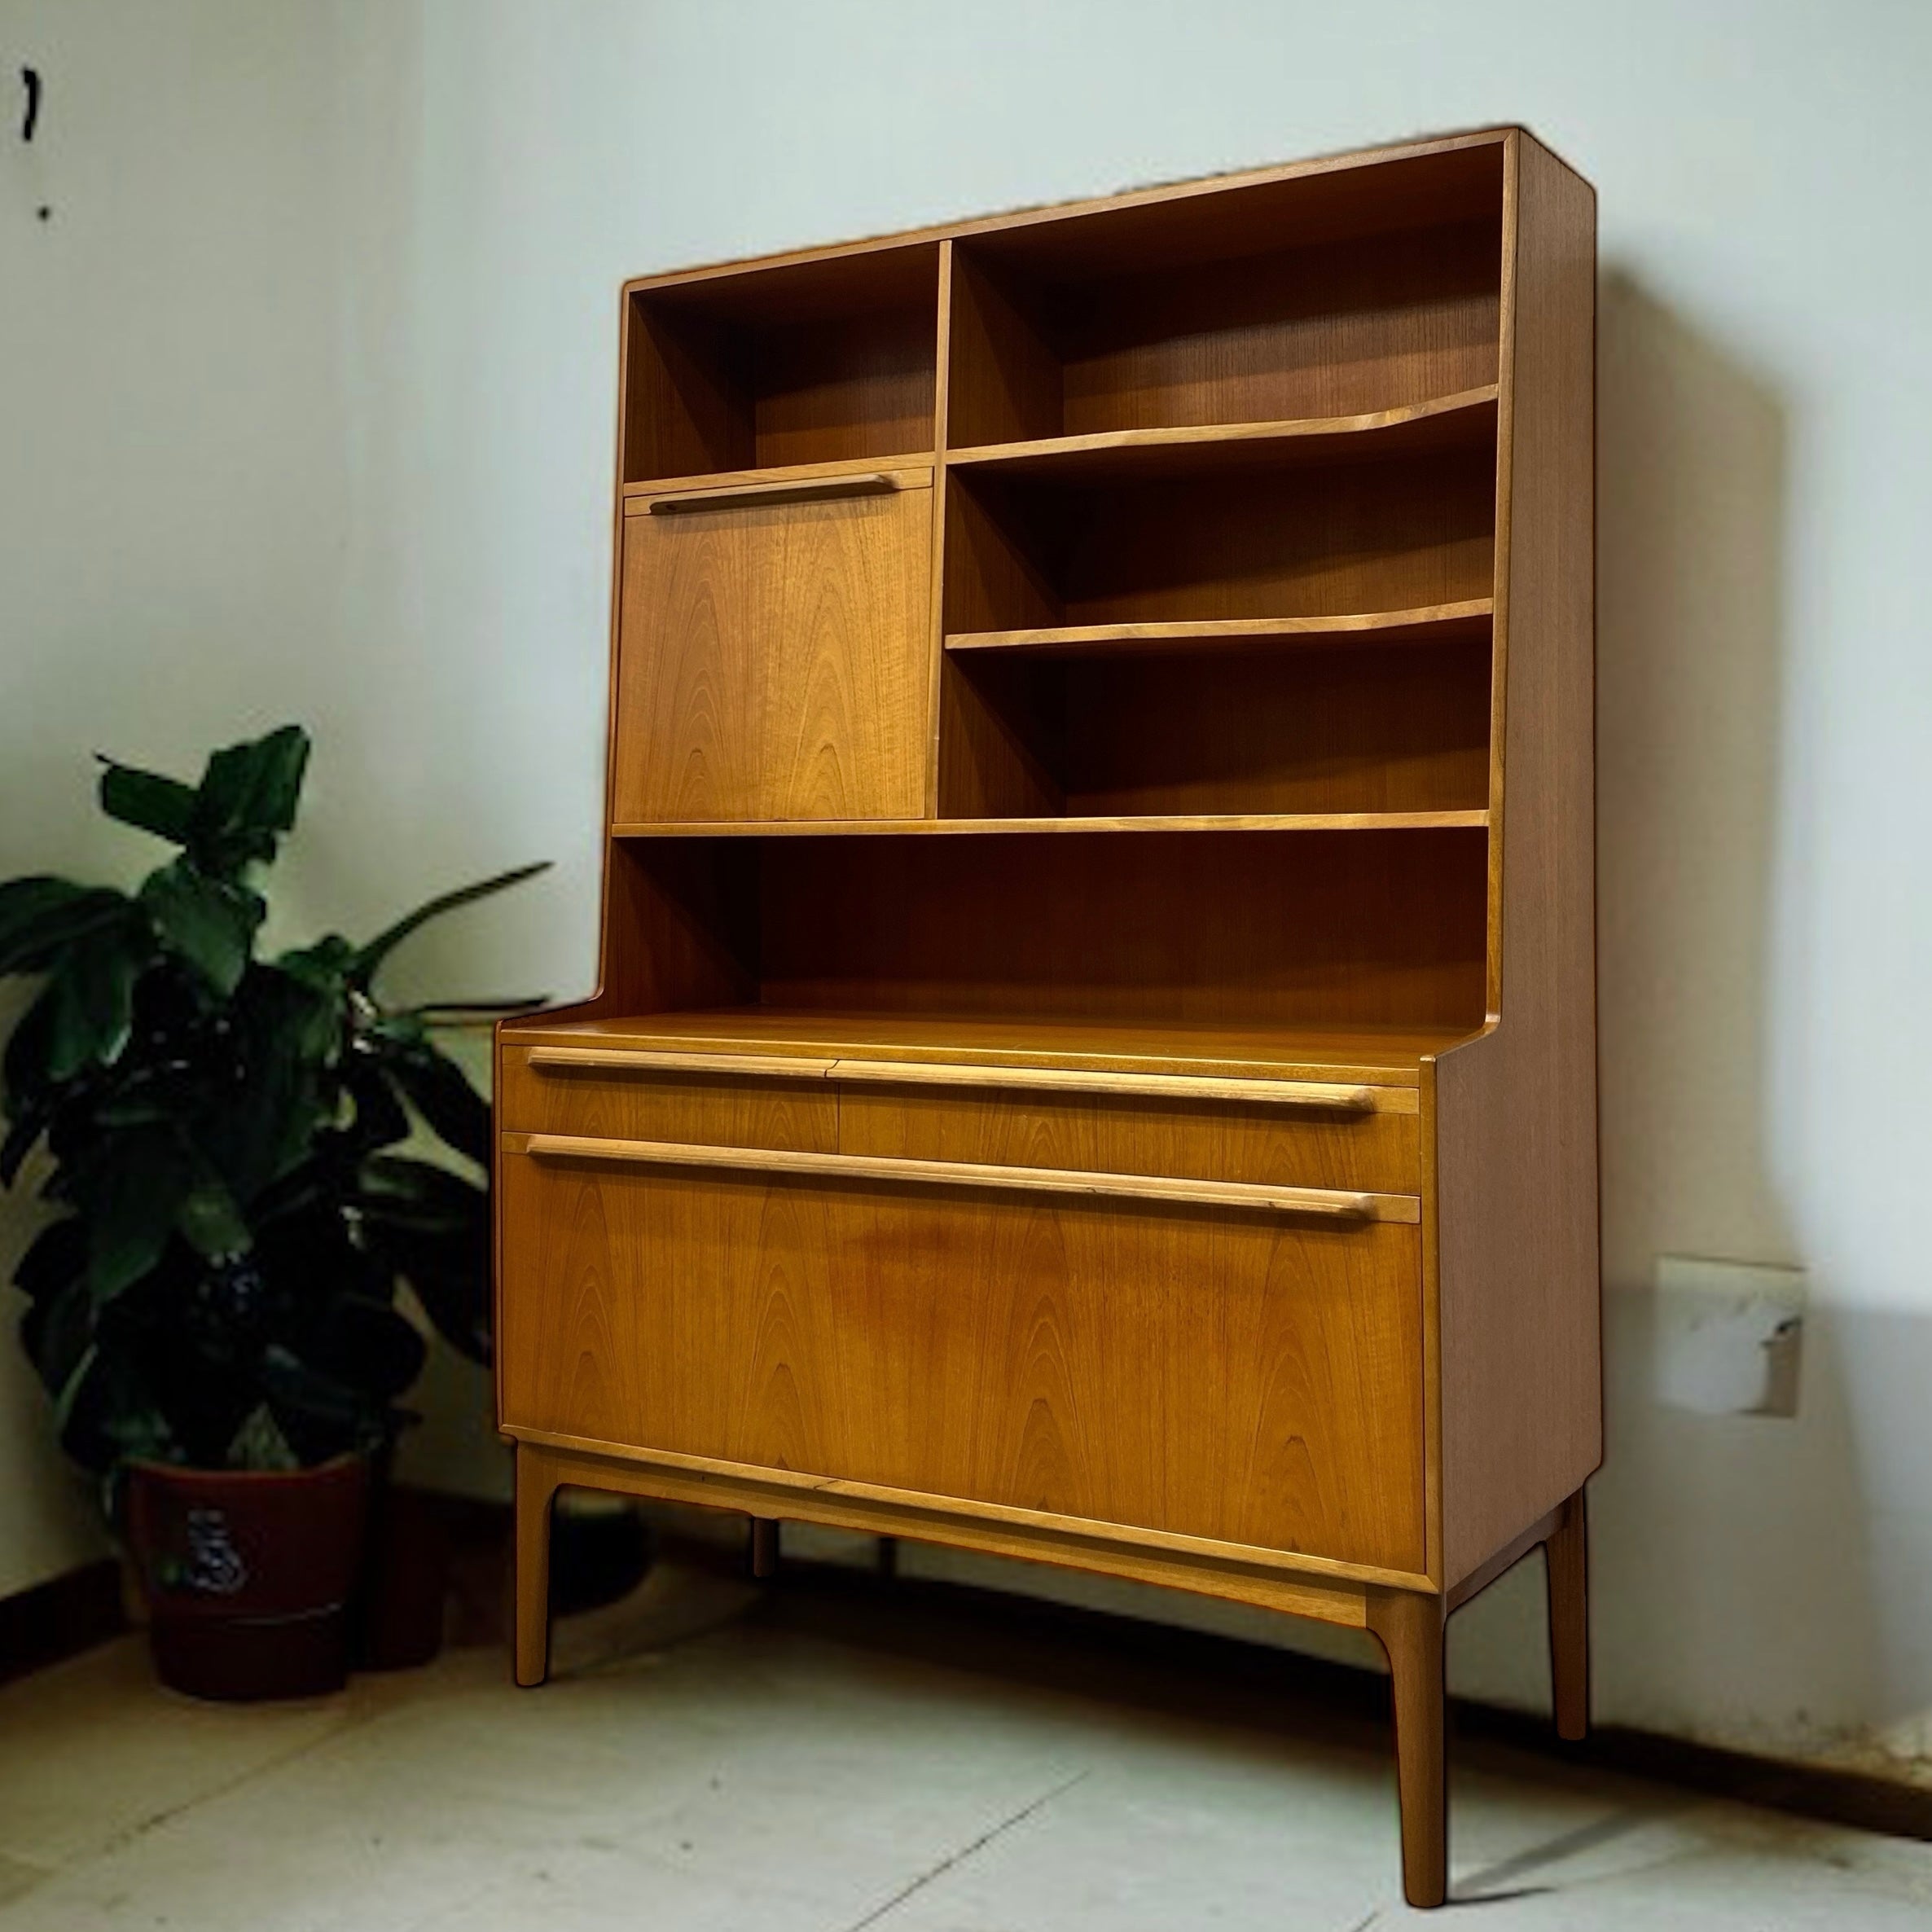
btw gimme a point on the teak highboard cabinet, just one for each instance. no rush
(1096, 1058)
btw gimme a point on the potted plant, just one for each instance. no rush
(216, 1309)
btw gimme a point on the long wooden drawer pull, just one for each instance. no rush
(1314, 1095)
(1330, 1204)
(813, 489)
(613, 1059)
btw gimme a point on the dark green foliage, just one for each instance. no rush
(221, 1287)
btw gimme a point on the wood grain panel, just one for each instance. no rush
(1377, 1056)
(1301, 1585)
(1521, 1397)
(1218, 1376)
(1353, 727)
(729, 1109)
(1364, 323)
(1311, 1149)
(1006, 379)
(861, 386)
(775, 662)
(680, 925)
(1322, 927)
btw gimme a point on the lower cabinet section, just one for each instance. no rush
(1241, 1375)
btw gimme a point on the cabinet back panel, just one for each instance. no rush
(1402, 729)
(828, 390)
(815, 362)
(1335, 331)
(1384, 928)
(1316, 542)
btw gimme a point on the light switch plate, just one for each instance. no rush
(1729, 1336)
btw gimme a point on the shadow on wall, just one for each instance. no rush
(1731, 1588)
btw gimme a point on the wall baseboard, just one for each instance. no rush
(60, 1618)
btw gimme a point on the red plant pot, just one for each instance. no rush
(248, 1574)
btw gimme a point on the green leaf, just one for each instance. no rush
(259, 1444)
(285, 1036)
(40, 916)
(55, 1258)
(28, 1050)
(399, 1191)
(132, 1197)
(439, 1090)
(29, 1120)
(323, 968)
(148, 802)
(56, 1332)
(92, 989)
(247, 794)
(68, 1396)
(211, 923)
(209, 1219)
(363, 966)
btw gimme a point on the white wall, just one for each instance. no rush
(316, 359)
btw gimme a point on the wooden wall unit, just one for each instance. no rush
(1096, 1052)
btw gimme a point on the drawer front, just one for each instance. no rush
(1242, 1376)
(705, 1109)
(1310, 1146)
(774, 660)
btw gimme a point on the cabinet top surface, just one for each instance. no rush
(1165, 203)
(1383, 1055)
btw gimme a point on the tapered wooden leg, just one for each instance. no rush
(762, 1550)
(1409, 1625)
(1566, 1556)
(536, 1491)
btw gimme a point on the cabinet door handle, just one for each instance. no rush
(1327, 1203)
(816, 489)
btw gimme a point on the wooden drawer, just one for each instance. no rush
(774, 654)
(1303, 1135)
(1239, 1375)
(545, 1090)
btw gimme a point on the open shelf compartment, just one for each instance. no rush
(1324, 296)
(814, 363)
(1313, 933)
(1347, 723)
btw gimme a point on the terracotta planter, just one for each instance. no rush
(248, 1575)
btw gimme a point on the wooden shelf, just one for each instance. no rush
(781, 473)
(1374, 1055)
(1444, 422)
(1194, 822)
(1435, 623)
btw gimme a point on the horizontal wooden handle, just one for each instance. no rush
(1329, 1204)
(1314, 1095)
(620, 1060)
(1166, 1086)
(815, 490)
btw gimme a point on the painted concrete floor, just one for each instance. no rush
(692, 1768)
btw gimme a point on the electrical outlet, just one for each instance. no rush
(1729, 1336)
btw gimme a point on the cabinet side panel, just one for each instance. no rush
(1521, 1386)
